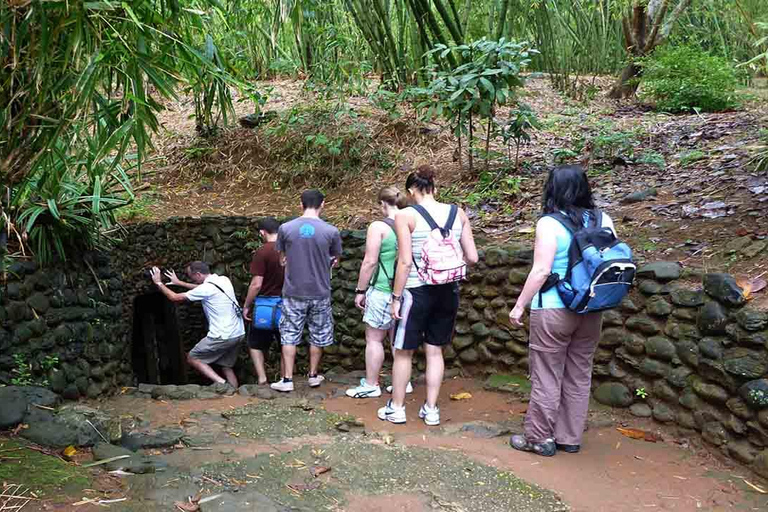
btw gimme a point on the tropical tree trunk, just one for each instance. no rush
(646, 25)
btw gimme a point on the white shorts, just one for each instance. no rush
(378, 311)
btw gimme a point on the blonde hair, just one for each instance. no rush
(393, 197)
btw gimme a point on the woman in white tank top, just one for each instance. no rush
(425, 313)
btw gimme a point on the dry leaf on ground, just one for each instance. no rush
(634, 433)
(461, 396)
(319, 470)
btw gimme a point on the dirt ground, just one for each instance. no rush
(707, 193)
(260, 452)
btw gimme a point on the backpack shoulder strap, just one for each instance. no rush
(451, 219)
(389, 222)
(595, 219)
(427, 217)
(565, 221)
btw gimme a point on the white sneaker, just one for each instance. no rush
(408, 389)
(315, 381)
(392, 414)
(282, 385)
(430, 416)
(364, 390)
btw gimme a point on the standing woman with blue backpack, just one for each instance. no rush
(579, 269)
(374, 290)
(434, 247)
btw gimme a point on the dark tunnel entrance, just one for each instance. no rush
(158, 355)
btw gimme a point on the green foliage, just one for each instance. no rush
(323, 144)
(489, 76)
(692, 156)
(138, 209)
(641, 393)
(81, 88)
(23, 373)
(654, 158)
(490, 188)
(518, 129)
(687, 79)
(47, 476)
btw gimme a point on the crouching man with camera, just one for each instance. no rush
(226, 332)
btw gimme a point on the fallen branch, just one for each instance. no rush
(106, 461)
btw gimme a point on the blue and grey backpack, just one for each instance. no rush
(600, 267)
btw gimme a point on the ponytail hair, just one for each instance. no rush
(423, 179)
(393, 197)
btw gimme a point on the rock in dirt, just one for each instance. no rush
(14, 407)
(221, 388)
(134, 463)
(74, 425)
(40, 396)
(639, 196)
(160, 438)
(486, 430)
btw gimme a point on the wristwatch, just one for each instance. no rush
(396, 297)
(358, 291)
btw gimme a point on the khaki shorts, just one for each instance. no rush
(217, 351)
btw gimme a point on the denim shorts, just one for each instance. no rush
(378, 312)
(316, 314)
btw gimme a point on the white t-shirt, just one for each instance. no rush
(223, 321)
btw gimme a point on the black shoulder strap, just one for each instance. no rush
(237, 306)
(451, 219)
(391, 223)
(598, 216)
(565, 221)
(427, 217)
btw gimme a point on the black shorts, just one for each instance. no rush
(261, 339)
(428, 316)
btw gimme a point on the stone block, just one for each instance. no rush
(745, 363)
(660, 348)
(660, 270)
(740, 408)
(751, 319)
(643, 324)
(724, 289)
(658, 306)
(613, 394)
(711, 348)
(755, 393)
(714, 432)
(712, 318)
(710, 392)
(653, 368)
(663, 413)
(678, 377)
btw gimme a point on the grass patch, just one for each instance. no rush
(44, 474)
(690, 157)
(272, 420)
(507, 382)
(139, 209)
(362, 468)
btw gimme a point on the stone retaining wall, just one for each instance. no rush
(72, 312)
(690, 354)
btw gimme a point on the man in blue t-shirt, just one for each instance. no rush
(309, 247)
